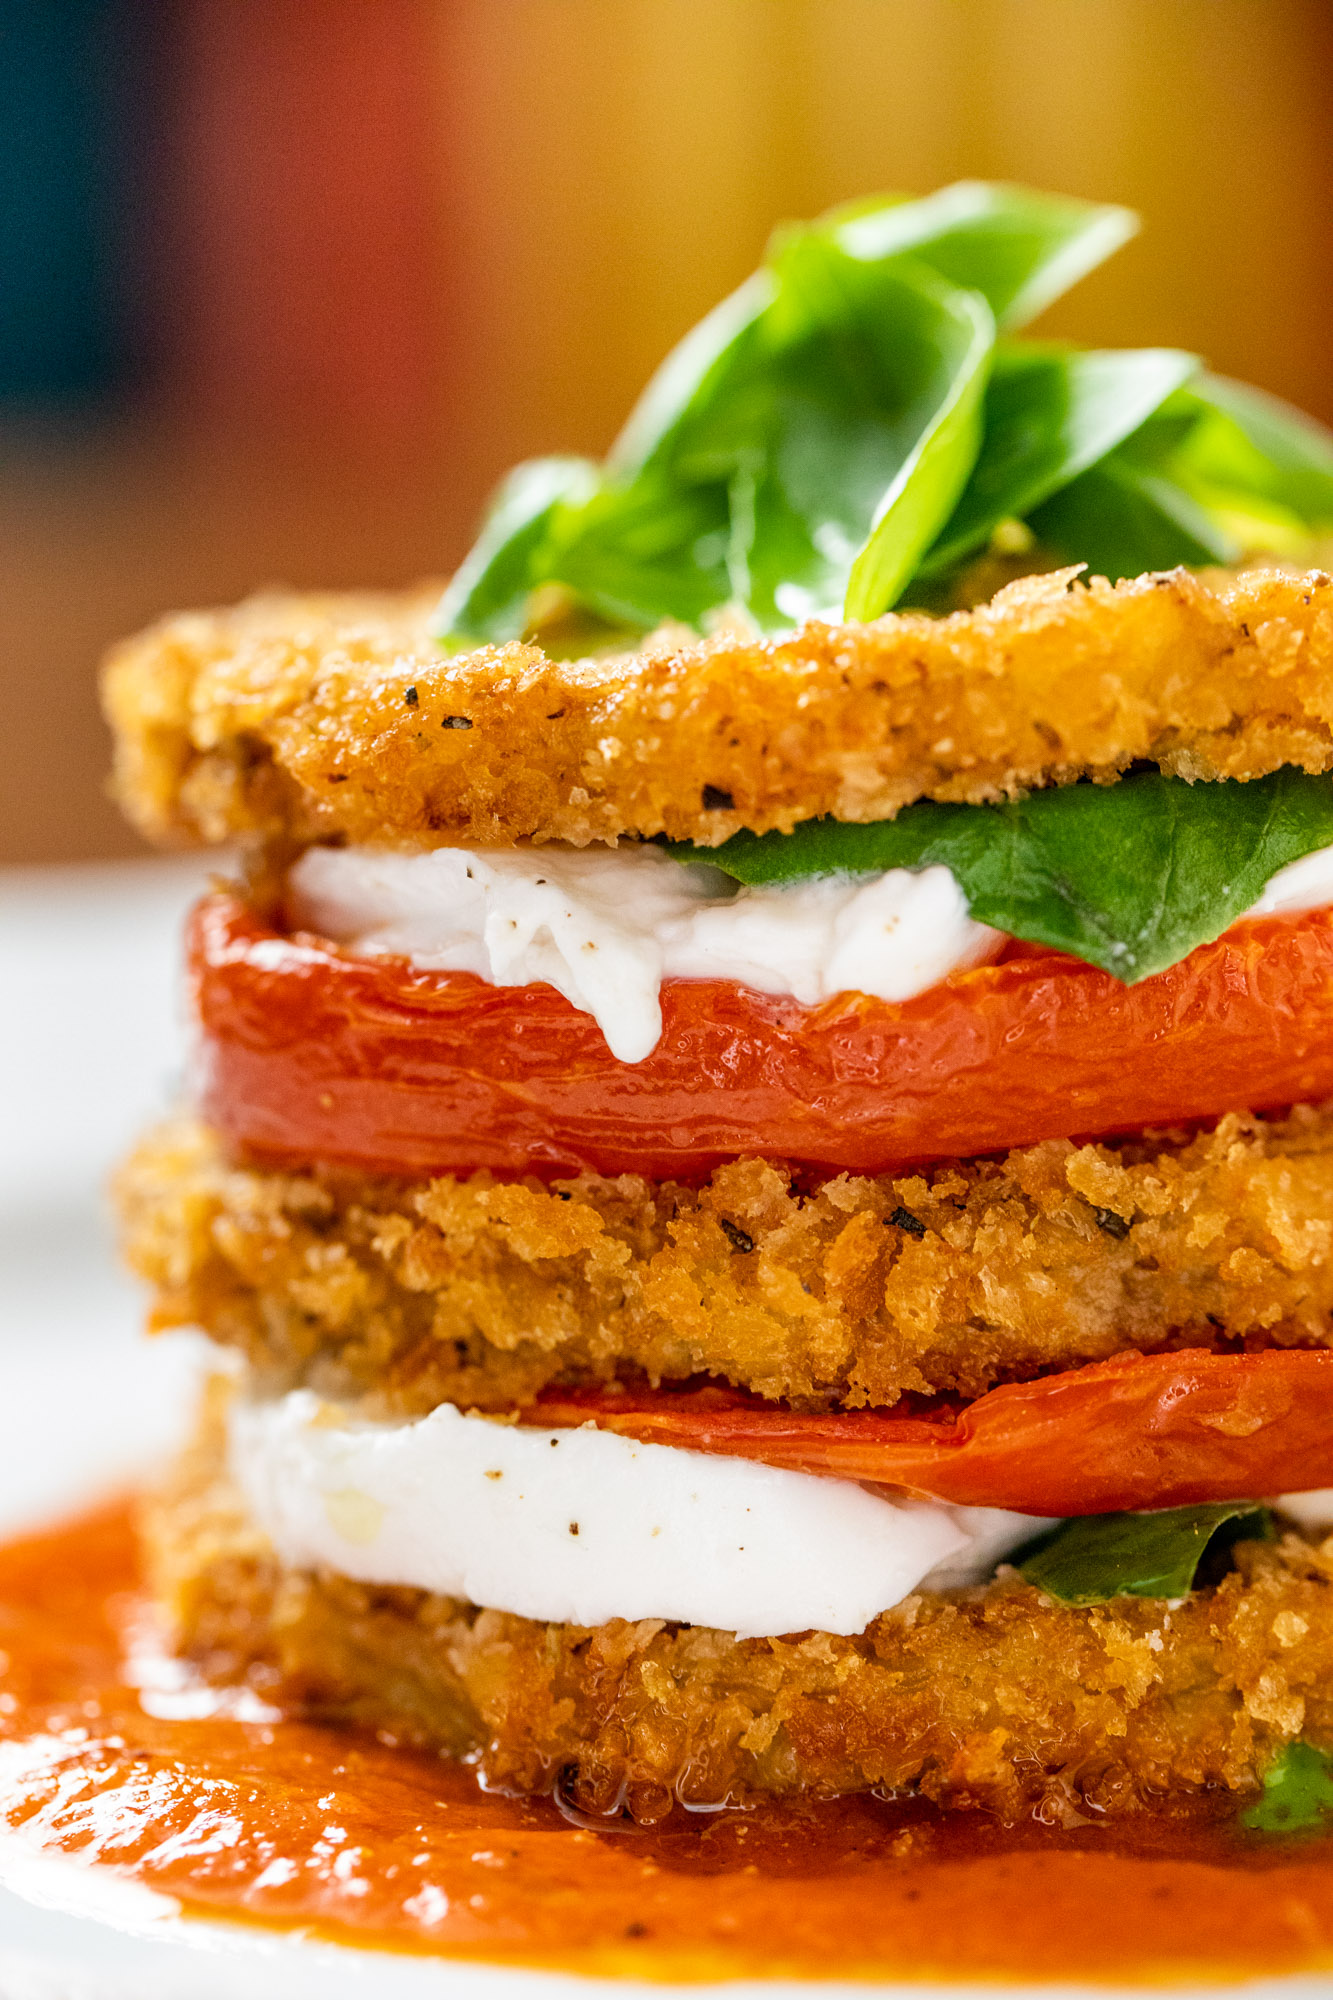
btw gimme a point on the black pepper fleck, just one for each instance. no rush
(903, 1218)
(716, 800)
(1113, 1224)
(410, 697)
(739, 1239)
(456, 722)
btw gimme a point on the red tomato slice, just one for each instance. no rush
(1161, 1430)
(311, 1053)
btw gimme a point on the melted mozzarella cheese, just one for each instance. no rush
(582, 1526)
(605, 927)
(1313, 1510)
(1306, 884)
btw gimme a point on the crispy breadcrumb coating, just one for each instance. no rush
(479, 1292)
(993, 1697)
(296, 718)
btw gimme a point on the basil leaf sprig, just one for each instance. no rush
(1217, 468)
(1095, 1557)
(814, 458)
(1052, 414)
(1130, 877)
(856, 422)
(1298, 1793)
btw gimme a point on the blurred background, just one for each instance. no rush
(285, 284)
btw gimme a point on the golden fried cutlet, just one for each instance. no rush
(299, 718)
(408, 1294)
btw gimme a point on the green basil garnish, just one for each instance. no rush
(1297, 1795)
(1095, 1557)
(1130, 518)
(1018, 248)
(1130, 877)
(1050, 414)
(493, 586)
(836, 431)
(1216, 469)
(1245, 446)
(847, 424)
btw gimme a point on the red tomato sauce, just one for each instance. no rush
(311, 1053)
(282, 1823)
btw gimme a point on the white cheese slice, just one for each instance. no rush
(582, 1526)
(606, 927)
(1312, 1510)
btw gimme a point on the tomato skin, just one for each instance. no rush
(1139, 1431)
(311, 1053)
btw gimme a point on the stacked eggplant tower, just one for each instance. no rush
(772, 1193)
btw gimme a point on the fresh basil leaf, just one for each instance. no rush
(487, 597)
(1248, 445)
(645, 550)
(696, 376)
(1020, 249)
(931, 346)
(1122, 518)
(1130, 877)
(1050, 413)
(1297, 1795)
(923, 491)
(860, 381)
(835, 427)
(849, 422)
(1096, 1557)
(1207, 486)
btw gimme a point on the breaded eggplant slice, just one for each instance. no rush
(298, 718)
(406, 1294)
(994, 1697)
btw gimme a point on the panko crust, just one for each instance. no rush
(411, 1293)
(993, 1698)
(297, 718)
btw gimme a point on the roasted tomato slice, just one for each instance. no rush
(1159, 1430)
(312, 1053)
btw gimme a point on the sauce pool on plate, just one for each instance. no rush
(239, 1812)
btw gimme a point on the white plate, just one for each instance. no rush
(90, 1046)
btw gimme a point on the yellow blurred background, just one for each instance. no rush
(366, 253)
